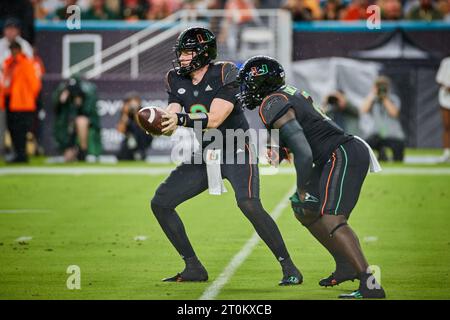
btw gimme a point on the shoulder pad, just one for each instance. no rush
(273, 107)
(229, 71)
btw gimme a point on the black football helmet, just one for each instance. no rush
(258, 77)
(199, 40)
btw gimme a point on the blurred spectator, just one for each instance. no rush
(217, 4)
(424, 11)
(443, 79)
(40, 12)
(18, 92)
(314, 7)
(408, 5)
(112, 5)
(133, 10)
(391, 9)
(384, 109)
(241, 11)
(99, 11)
(444, 7)
(332, 10)
(136, 141)
(77, 123)
(239, 14)
(356, 10)
(12, 32)
(341, 111)
(61, 13)
(299, 10)
(270, 4)
(22, 10)
(159, 9)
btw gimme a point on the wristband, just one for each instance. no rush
(189, 119)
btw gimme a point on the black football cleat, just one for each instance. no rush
(291, 279)
(335, 279)
(369, 288)
(364, 294)
(189, 275)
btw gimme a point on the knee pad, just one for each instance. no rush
(307, 217)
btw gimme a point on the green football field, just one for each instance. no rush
(92, 221)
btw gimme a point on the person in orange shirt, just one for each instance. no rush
(357, 10)
(20, 86)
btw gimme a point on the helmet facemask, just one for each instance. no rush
(249, 96)
(198, 60)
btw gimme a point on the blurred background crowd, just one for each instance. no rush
(73, 102)
(302, 10)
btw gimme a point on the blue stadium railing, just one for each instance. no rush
(315, 26)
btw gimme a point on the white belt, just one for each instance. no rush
(215, 182)
(374, 164)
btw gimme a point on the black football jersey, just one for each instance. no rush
(198, 98)
(323, 135)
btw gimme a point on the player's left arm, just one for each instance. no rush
(291, 133)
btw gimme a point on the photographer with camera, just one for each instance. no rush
(384, 109)
(342, 112)
(136, 141)
(77, 123)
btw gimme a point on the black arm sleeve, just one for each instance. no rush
(292, 135)
(227, 92)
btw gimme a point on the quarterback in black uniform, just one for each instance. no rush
(198, 87)
(331, 167)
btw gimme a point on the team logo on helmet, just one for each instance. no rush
(200, 37)
(255, 71)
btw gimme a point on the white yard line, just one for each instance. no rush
(14, 211)
(84, 171)
(154, 171)
(213, 290)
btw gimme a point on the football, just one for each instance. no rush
(150, 119)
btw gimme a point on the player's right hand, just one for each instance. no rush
(171, 122)
(276, 154)
(272, 156)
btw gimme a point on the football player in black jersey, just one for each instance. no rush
(198, 86)
(331, 167)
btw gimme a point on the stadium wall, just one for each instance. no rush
(311, 40)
